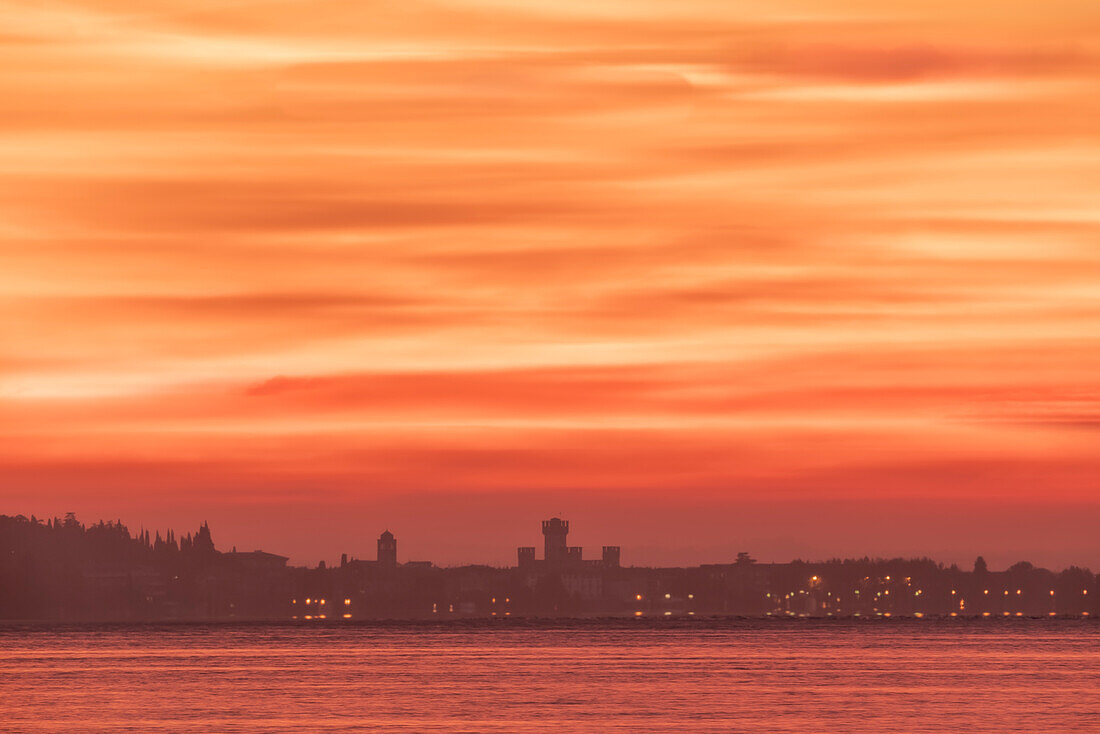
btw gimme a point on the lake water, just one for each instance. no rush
(754, 676)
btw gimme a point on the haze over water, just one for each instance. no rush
(760, 676)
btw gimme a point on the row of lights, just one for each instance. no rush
(322, 602)
(310, 601)
(814, 580)
(668, 596)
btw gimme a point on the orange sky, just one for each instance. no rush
(793, 277)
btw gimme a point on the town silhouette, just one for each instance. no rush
(63, 570)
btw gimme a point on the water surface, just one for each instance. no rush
(758, 676)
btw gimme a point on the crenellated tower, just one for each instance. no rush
(555, 532)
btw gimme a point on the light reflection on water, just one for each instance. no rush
(905, 676)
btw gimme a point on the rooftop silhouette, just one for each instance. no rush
(61, 569)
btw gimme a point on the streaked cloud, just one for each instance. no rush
(273, 253)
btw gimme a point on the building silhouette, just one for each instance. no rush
(557, 554)
(554, 532)
(387, 550)
(65, 571)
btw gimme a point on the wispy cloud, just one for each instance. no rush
(794, 249)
